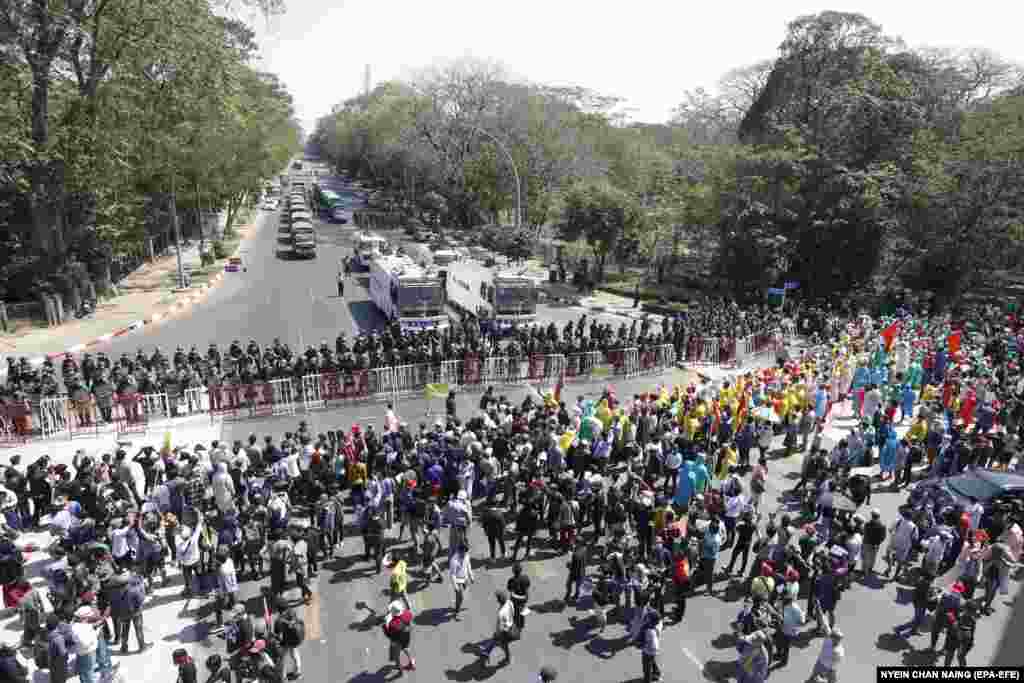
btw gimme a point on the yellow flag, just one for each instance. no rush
(436, 391)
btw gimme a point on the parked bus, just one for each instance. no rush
(407, 294)
(504, 298)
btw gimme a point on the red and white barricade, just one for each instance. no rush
(472, 371)
(312, 396)
(15, 423)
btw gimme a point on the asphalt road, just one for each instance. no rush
(295, 300)
(350, 646)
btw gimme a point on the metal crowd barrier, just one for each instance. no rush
(133, 413)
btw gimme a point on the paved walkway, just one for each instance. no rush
(145, 293)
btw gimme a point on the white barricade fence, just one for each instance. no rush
(156, 407)
(53, 415)
(312, 398)
(495, 370)
(197, 400)
(451, 374)
(283, 394)
(631, 362)
(587, 362)
(554, 367)
(381, 381)
(745, 350)
(708, 354)
(409, 379)
(664, 356)
(519, 370)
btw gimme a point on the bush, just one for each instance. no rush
(206, 258)
(219, 250)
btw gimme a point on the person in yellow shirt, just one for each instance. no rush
(357, 480)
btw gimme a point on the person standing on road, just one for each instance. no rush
(291, 632)
(398, 629)
(519, 589)
(341, 284)
(504, 628)
(460, 568)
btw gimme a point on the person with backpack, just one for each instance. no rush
(290, 631)
(398, 630)
(960, 636)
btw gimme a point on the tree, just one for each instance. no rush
(601, 214)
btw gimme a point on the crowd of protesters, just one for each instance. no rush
(643, 494)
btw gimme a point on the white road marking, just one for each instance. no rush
(693, 658)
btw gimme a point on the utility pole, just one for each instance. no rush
(515, 171)
(177, 233)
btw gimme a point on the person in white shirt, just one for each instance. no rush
(975, 511)
(391, 423)
(86, 642)
(292, 463)
(460, 569)
(306, 457)
(187, 547)
(503, 627)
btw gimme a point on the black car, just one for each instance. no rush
(992, 488)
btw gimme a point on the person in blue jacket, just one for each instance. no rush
(941, 360)
(686, 485)
(907, 399)
(701, 474)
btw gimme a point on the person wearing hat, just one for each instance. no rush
(948, 612)
(398, 629)
(86, 644)
(186, 667)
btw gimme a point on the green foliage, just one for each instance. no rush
(139, 101)
(601, 214)
(219, 250)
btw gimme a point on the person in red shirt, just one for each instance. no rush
(398, 629)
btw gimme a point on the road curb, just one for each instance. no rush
(182, 304)
(176, 307)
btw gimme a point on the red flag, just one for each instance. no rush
(889, 335)
(558, 386)
(953, 341)
(266, 612)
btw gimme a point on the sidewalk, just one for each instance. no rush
(149, 292)
(169, 622)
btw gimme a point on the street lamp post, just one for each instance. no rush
(515, 171)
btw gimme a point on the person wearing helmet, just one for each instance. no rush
(186, 667)
(217, 669)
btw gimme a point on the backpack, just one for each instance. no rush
(295, 633)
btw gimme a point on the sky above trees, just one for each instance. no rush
(645, 52)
